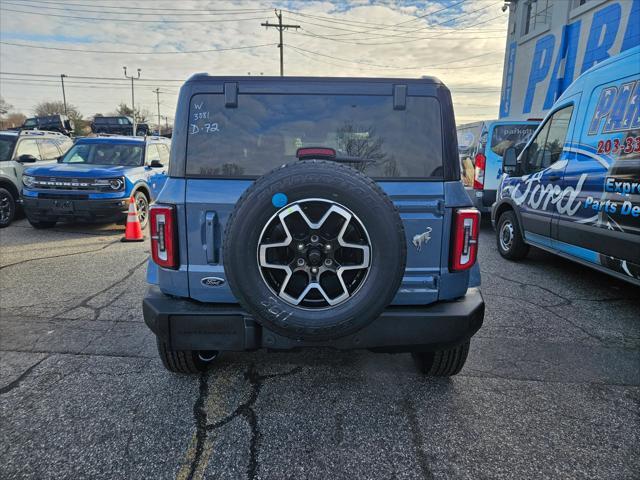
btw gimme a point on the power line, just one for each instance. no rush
(396, 67)
(322, 37)
(121, 52)
(67, 8)
(384, 26)
(102, 19)
(120, 79)
(409, 40)
(144, 8)
(403, 34)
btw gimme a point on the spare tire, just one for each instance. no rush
(314, 250)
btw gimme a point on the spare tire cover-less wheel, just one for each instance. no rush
(314, 250)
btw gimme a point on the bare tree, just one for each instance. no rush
(361, 143)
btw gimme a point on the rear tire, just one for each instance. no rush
(41, 224)
(442, 363)
(7, 207)
(185, 361)
(509, 240)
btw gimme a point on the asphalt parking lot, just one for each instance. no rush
(551, 388)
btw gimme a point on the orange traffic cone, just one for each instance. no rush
(133, 232)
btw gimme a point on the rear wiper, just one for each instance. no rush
(324, 153)
(353, 160)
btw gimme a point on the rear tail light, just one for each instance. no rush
(466, 225)
(478, 179)
(316, 152)
(164, 236)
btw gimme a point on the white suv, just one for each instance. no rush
(17, 151)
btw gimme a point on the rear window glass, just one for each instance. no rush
(266, 130)
(505, 136)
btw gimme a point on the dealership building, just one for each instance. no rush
(551, 42)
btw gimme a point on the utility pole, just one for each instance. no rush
(281, 27)
(133, 103)
(64, 96)
(157, 92)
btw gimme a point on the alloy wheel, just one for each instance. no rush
(314, 254)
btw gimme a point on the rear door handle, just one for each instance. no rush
(554, 178)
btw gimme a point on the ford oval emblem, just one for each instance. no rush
(212, 281)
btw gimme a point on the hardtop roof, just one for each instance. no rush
(205, 77)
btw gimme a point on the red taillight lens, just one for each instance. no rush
(316, 152)
(164, 235)
(478, 180)
(466, 225)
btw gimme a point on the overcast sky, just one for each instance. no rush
(460, 42)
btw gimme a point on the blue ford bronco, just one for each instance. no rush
(314, 212)
(94, 180)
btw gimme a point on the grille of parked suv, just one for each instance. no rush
(93, 184)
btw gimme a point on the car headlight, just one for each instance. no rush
(28, 181)
(114, 184)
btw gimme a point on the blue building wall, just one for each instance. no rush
(571, 38)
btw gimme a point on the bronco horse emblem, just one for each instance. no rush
(421, 239)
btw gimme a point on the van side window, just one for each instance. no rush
(547, 146)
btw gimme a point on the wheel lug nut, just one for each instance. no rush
(300, 262)
(314, 239)
(328, 262)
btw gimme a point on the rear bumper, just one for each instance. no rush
(189, 325)
(48, 209)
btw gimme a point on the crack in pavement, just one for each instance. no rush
(81, 354)
(21, 262)
(245, 409)
(98, 310)
(417, 439)
(546, 308)
(23, 375)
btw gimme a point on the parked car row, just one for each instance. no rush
(114, 125)
(91, 180)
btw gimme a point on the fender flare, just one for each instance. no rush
(7, 184)
(144, 186)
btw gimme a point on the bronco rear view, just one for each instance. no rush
(314, 212)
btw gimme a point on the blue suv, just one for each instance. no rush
(311, 212)
(94, 180)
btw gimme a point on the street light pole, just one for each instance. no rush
(133, 102)
(64, 96)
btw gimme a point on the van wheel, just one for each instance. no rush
(7, 207)
(442, 363)
(185, 361)
(510, 243)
